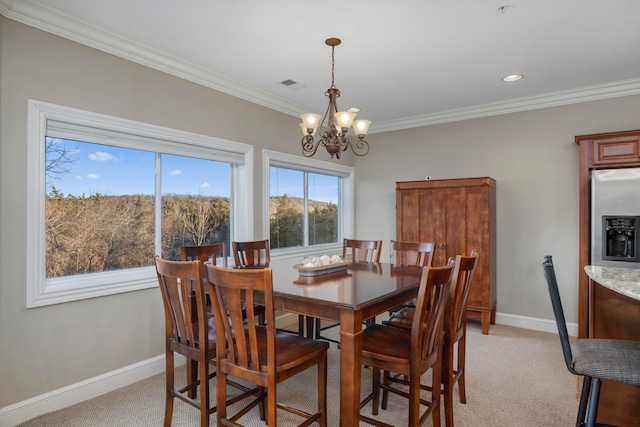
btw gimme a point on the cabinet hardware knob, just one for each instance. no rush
(441, 245)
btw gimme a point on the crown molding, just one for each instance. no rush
(63, 25)
(555, 99)
(70, 28)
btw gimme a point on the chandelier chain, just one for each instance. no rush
(333, 67)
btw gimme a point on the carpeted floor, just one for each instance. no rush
(515, 378)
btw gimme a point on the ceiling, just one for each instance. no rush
(404, 63)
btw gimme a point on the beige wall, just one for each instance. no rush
(43, 349)
(531, 155)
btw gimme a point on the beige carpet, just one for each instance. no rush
(515, 378)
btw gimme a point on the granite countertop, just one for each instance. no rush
(625, 281)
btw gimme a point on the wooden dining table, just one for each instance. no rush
(348, 297)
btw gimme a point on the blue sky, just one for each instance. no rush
(109, 170)
(117, 171)
(291, 182)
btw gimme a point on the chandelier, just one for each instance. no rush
(334, 135)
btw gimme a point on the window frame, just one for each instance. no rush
(346, 193)
(42, 291)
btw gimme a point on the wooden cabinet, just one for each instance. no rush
(459, 216)
(598, 151)
(616, 150)
(601, 312)
(615, 316)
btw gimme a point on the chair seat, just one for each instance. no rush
(291, 349)
(396, 348)
(401, 318)
(615, 360)
(211, 325)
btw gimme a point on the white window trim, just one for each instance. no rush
(42, 291)
(347, 199)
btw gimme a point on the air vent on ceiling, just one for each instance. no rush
(292, 84)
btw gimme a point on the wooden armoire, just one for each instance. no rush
(459, 215)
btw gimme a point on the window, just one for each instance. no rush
(107, 194)
(310, 203)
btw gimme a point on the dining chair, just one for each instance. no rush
(594, 359)
(260, 354)
(411, 353)
(405, 253)
(216, 253)
(411, 253)
(252, 253)
(257, 253)
(360, 251)
(454, 333)
(190, 332)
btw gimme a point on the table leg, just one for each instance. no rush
(350, 367)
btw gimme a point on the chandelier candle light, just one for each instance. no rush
(334, 135)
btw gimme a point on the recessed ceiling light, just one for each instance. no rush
(512, 77)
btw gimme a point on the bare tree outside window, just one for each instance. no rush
(100, 207)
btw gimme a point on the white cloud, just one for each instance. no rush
(101, 156)
(175, 172)
(205, 185)
(79, 178)
(92, 176)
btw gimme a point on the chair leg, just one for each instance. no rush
(262, 405)
(414, 399)
(192, 377)
(435, 391)
(447, 377)
(272, 406)
(593, 402)
(170, 385)
(221, 397)
(204, 392)
(322, 391)
(385, 392)
(375, 372)
(462, 349)
(309, 325)
(584, 400)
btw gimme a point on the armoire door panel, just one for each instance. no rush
(478, 223)
(456, 226)
(432, 221)
(410, 215)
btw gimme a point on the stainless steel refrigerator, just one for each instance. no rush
(615, 217)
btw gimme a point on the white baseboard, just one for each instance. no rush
(96, 386)
(533, 323)
(78, 392)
